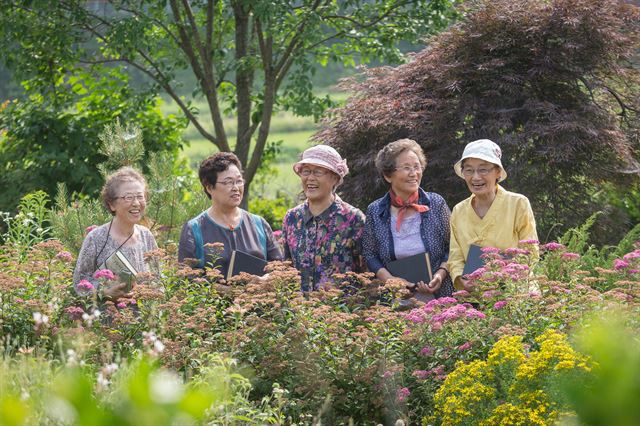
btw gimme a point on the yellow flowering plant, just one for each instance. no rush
(512, 385)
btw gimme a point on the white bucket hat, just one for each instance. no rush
(323, 156)
(483, 149)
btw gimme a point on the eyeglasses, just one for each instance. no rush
(130, 197)
(482, 171)
(408, 169)
(316, 172)
(230, 183)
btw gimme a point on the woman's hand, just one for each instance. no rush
(434, 285)
(115, 292)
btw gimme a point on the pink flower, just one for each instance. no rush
(369, 319)
(277, 234)
(570, 256)
(64, 256)
(490, 294)
(553, 246)
(460, 293)
(514, 251)
(499, 304)
(420, 374)
(402, 394)
(531, 242)
(121, 305)
(633, 255)
(465, 346)
(619, 264)
(490, 250)
(90, 228)
(75, 312)
(427, 351)
(85, 285)
(474, 313)
(104, 273)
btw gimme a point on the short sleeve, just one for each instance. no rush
(187, 244)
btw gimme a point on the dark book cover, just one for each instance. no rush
(244, 262)
(474, 260)
(414, 268)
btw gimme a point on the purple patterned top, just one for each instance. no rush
(323, 245)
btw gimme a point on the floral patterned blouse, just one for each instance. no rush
(323, 245)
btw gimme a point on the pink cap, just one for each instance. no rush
(323, 156)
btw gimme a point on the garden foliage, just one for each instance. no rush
(554, 83)
(341, 353)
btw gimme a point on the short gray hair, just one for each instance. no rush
(386, 158)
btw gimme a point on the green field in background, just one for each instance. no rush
(294, 132)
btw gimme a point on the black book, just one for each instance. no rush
(474, 260)
(244, 262)
(414, 268)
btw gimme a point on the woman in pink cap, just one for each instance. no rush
(491, 216)
(322, 235)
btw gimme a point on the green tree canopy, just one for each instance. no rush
(552, 82)
(249, 57)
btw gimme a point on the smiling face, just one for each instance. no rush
(229, 188)
(129, 211)
(405, 180)
(317, 182)
(481, 176)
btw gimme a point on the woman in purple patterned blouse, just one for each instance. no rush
(322, 235)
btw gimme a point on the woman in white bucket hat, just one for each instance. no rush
(491, 216)
(322, 235)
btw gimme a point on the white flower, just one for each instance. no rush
(166, 387)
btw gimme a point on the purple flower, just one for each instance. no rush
(402, 394)
(570, 256)
(619, 264)
(499, 304)
(474, 313)
(553, 246)
(64, 256)
(104, 273)
(427, 351)
(633, 255)
(514, 251)
(465, 346)
(121, 305)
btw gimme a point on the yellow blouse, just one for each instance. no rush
(508, 221)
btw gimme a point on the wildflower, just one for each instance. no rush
(104, 273)
(529, 242)
(460, 293)
(85, 286)
(499, 304)
(465, 346)
(75, 312)
(121, 305)
(490, 294)
(40, 319)
(420, 374)
(402, 394)
(553, 246)
(64, 256)
(570, 256)
(619, 264)
(427, 351)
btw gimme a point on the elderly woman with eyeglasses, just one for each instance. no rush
(124, 195)
(407, 220)
(491, 216)
(322, 235)
(224, 221)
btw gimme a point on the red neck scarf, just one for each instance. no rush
(412, 202)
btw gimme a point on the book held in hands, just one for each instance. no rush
(244, 262)
(474, 260)
(122, 268)
(414, 269)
